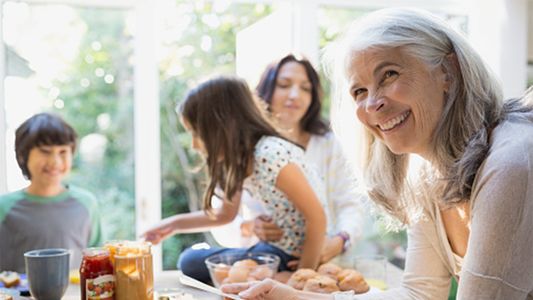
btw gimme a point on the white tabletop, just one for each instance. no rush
(163, 280)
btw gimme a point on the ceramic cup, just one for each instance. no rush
(47, 271)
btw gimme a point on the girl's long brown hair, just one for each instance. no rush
(229, 121)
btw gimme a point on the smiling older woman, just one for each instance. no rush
(418, 87)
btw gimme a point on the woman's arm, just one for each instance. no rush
(197, 221)
(341, 189)
(291, 180)
(499, 259)
(344, 202)
(269, 289)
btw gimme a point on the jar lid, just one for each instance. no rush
(96, 251)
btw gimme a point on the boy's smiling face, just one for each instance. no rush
(49, 164)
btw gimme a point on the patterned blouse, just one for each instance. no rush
(270, 156)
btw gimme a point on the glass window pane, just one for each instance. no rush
(198, 40)
(75, 61)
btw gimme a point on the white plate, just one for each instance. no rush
(186, 280)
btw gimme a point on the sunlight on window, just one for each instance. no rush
(76, 62)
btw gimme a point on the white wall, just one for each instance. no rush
(498, 31)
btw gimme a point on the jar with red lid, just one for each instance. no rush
(97, 280)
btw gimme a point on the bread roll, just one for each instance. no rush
(299, 278)
(353, 280)
(330, 270)
(321, 284)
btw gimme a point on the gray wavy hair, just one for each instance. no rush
(460, 143)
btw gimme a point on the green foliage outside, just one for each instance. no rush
(332, 22)
(181, 188)
(89, 101)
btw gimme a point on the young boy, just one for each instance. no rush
(47, 213)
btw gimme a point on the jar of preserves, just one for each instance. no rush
(97, 280)
(134, 271)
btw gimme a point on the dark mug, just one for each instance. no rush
(47, 271)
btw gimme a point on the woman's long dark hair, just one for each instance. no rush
(225, 116)
(311, 122)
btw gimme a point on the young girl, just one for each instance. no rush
(243, 151)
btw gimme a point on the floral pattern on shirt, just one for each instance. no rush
(270, 156)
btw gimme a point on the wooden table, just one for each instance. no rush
(169, 279)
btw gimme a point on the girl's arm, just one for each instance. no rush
(291, 180)
(197, 221)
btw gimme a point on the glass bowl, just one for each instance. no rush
(232, 268)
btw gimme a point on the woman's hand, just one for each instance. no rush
(266, 230)
(332, 247)
(267, 289)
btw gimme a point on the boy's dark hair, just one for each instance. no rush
(312, 121)
(41, 129)
(230, 122)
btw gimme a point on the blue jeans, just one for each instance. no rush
(192, 261)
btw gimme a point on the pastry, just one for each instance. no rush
(330, 270)
(246, 263)
(345, 272)
(221, 272)
(10, 279)
(238, 274)
(298, 279)
(261, 272)
(352, 280)
(321, 284)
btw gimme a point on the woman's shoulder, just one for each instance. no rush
(511, 144)
(268, 144)
(508, 167)
(325, 147)
(328, 140)
(510, 152)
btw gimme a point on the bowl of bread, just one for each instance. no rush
(230, 268)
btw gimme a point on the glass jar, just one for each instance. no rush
(97, 280)
(134, 271)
